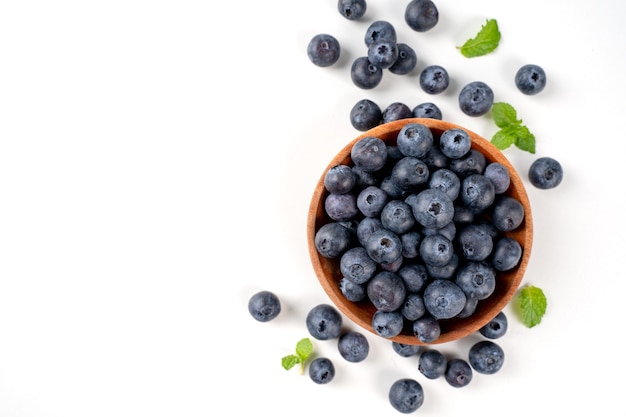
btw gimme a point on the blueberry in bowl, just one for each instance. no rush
(431, 229)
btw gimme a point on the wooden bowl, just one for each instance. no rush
(328, 272)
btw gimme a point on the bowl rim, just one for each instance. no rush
(452, 329)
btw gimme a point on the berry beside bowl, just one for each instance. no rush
(471, 266)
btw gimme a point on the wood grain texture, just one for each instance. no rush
(507, 283)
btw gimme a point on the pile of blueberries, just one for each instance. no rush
(422, 199)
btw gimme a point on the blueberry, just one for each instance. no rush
(477, 192)
(427, 110)
(366, 228)
(384, 246)
(341, 207)
(507, 213)
(264, 306)
(432, 363)
(351, 291)
(356, 265)
(369, 153)
(443, 299)
(446, 271)
(396, 111)
(413, 307)
(434, 79)
(386, 291)
(530, 79)
(415, 139)
(463, 215)
(458, 373)
(436, 250)
(486, 357)
(475, 243)
(470, 307)
(447, 181)
(321, 370)
(387, 324)
(421, 15)
(448, 231)
(496, 327)
(507, 253)
(383, 53)
(499, 176)
(324, 322)
(434, 158)
(406, 60)
(409, 173)
(455, 143)
(353, 346)
(426, 329)
(405, 350)
(371, 201)
(477, 280)
(474, 162)
(364, 74)
(476, 98)
(380, 30)
(365, 115)
(352, 9)
(433, 208)
(410, 243)
(332, 240)
(339, 179)
(414, 276)
(545, 173)
(364, 178)
(323, 50)
(391, 187)
(397, 216)
(406, 395)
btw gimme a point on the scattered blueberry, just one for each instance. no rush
(530, 79)
(458, 373)
(324, 322)
(264, 306)
(380, 30)
(323, 50)
(352, 9)
(496, 327)
(406, 60)
(405, 350)
(364, 74)
(434, 79)
(353, 346)
(486, 357)
(396, 111)
(427, 110)
(421, 15)
(406, 395)
(545, 173)
(383, 53)
(321, 370)
(365, 115)
(476, 98)
(432, 363)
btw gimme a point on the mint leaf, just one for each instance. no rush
(486, 41)
(504, 114)
(304, 348)
(532, 305)
(512, 131)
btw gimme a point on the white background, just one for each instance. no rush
(156, 164)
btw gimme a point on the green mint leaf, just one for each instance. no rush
(486, 41)
(525, 140)
(304, 348)
(290, 361)
(532, 305)
(504, 114)
(503, 138)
